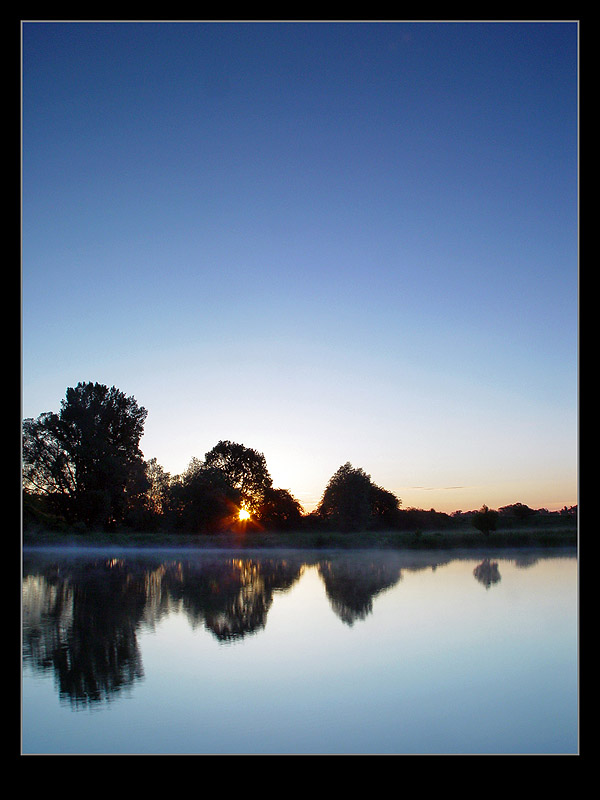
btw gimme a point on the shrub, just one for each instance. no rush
(485, 520)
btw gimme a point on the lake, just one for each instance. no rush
(129, 651)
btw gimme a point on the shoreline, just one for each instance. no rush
(313, 540)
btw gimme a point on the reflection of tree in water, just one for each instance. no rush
(81, 622)
(80, 619)
(232, 597)
(525, 560)
(81, 615)
(351, 585)
(487, 572)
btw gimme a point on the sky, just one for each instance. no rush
(327, 241)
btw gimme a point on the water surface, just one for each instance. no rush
(159, 652)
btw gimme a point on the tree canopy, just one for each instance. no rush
(280, 510)
(203, 500)
(485, 520)
(87, 457)
(352, 502)
(244, 469)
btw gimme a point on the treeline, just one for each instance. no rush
(83, 470)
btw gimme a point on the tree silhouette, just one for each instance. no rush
(158, 486)
(352, 502)
(485, 520)
(244, 469)
(280, 510)
(519, 511)
(147, 510)
(202, 500)
(87, 457)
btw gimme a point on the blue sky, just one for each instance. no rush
(330, 242)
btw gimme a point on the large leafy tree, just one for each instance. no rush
(86, 459)
(244, 469)
(352, 502)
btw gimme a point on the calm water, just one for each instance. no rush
(299, 652)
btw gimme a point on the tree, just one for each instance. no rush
(47, 466)
(202, 500)
(148, 501)
(518, 510)
(345, 501)
(352, 502)
(485, 520)
(280, 510)
(244, 469)
(87, 457)
(158, 486)
(385, 507)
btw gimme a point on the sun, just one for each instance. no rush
(244, 514)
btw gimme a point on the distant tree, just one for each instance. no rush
(419, 519)
(571, 511)
(244, 469)
(86, 459)
(485, 520)
(352, 502)
(280, 510)
(517, 510)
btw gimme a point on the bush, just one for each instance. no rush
(485, 520)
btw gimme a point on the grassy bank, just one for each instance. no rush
(521, 537)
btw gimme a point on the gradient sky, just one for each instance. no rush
(330, 242)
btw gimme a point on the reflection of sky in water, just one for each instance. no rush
(438, 660)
